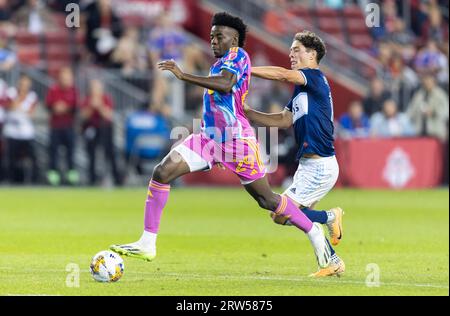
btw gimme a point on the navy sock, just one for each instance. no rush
(315, 216)
(331, 248)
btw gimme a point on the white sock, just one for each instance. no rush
(148, 240)
(331, 217)
(314, 235)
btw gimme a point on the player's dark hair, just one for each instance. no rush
(226, 19)
(311, 41)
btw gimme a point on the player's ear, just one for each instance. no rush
(236, 40)
(313, 56)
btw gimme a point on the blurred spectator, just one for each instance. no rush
(429, 110)
(168, 41)
(97, 113)
(277, 93)
(5, 12)
(400, 34)
(5, 19)
(163, 110)
(431, 60)
(3, 103)
(103, 30)
(402, 41)
(61, 101)
(19, 133)
(376, 97)
(385, 52)
(387, 20)
(434, 27)
(354, 123)
(7, 57)
(129, 55)
(259, 87)
(390, 122)
(404, 82)
(286, 146)
(35, 17)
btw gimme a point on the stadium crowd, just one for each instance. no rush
(408, 97)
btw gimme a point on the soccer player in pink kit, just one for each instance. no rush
(226, 138)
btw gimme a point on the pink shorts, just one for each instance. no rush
(241, 156)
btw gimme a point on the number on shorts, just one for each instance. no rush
(247, 161)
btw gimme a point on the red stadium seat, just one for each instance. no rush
(304, 14)
(330, 24)
(352, 11)
(59, 53)
(58, 37)
(29, 55)
(60, 20)
(356, 26)
(326, 12)
(339, 36)
(361, 41)
(26, 38)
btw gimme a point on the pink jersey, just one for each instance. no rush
(223, 113)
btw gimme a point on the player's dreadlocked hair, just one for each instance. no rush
(225, 19)
(312, 41)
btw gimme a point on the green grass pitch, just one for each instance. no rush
(218, 242)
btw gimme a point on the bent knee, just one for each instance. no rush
(161, 173)
(270, 204)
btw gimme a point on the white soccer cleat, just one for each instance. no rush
(135, 250)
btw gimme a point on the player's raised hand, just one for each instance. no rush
(171, 66)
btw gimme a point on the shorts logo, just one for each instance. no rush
(294, 190)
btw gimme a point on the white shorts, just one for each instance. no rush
(313, 180)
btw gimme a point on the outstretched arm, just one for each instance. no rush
(281, 120)
(279, 74)
(223, 82)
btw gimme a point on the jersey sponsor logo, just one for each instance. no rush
(299, 106)
(231, 56)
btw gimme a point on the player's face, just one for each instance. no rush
(299, 56)
(222, 39)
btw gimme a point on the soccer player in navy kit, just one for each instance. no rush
(310, 111)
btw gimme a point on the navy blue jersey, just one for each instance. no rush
(312, 110)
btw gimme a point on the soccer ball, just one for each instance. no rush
(106, 266)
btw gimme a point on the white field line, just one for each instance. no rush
(250, 277)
